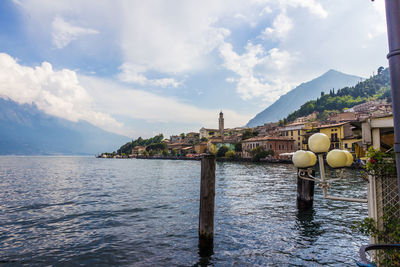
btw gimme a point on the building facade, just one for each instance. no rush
(278, 144)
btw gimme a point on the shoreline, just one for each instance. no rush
(284, 161)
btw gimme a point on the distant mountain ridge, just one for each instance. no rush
(292, 100)
(25, 130)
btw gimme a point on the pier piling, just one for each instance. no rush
(206, 213)
(305, 192)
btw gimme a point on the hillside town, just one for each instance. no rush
(353, 130)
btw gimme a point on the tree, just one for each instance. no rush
(238, 147)
(222, 151)
(230, 154)
(258, 153)
(248, 133)
(212, 149)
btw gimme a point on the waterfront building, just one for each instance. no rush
(175, 138)
(219, 142)
(208, 133)
(200, 147)
(336, 133)
(138, 150)
(379, 132)
(278, 144)
(181, 148)
(297, 132)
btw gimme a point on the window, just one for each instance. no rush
(291, 133)
(270, 146)
(298, 132)
(298, 138)
(279, 147)
(345, 145)
(291, 147)
(298, 144)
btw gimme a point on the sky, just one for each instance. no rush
(139, 68)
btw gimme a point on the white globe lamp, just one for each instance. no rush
(304, 159)
(336, 158)
(349, 158)
(319, 143)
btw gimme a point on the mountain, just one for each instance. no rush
(25, 130)
(292, 100)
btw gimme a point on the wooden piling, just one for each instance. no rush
(206, 213)
(305, 192)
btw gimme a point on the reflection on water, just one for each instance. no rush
(309, 229)
(71, 210)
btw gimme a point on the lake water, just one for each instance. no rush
(67, 211)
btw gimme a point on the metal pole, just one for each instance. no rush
(322, 173)
(393, 28)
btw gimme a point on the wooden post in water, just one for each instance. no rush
(305, 192)
(206, 214)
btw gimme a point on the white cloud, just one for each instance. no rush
(76, 97)
(57, 93)
(132, 73)
(303, 38)
(170, 37)
(63, 32)
(154, 108)
(313, 6)
(281, 27)
(252, 83)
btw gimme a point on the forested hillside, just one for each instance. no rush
(154, 142)
(376, 87)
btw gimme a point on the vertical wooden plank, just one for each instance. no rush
(206, 213)
(305, 192)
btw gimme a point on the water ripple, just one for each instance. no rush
(83, 211)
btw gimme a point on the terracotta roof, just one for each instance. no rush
(266, 138)
(332, 125)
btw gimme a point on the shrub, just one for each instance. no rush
(222, 151)
(230, 154)
(258, 153)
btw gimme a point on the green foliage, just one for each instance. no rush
(174, 152)
(127, 148)
(390, 233)
(157, 147)
(381, 163)
(249, 133)
(258, 153)
(212, 149)
(270, 152)
(230, 154)
(238, 147)
(376, 87)
(222, 151)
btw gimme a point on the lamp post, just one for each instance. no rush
(319, 143)
(393, 30)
